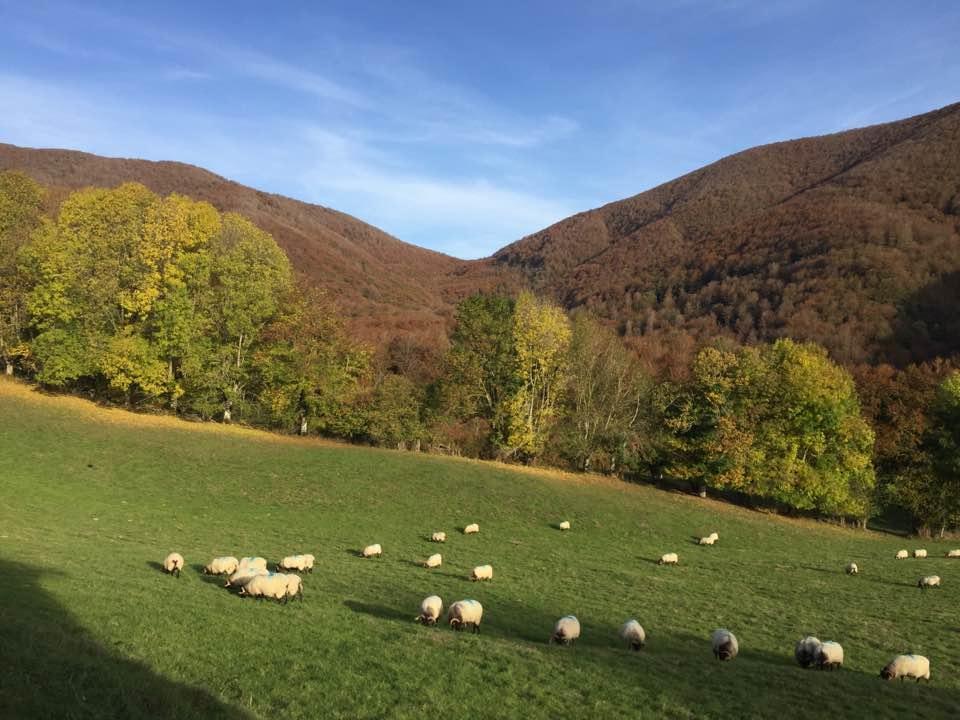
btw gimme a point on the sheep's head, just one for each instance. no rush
(888, 673)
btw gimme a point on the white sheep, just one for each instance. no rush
(293, 562)
(708, 540)
(566, 630)
(714, 535)
(430, 610)
(807, 651)
(173, 563)
(725, 645)
(852, 569)
(308, 561)
(482, 572)
(928, 581)
(902, 554)
(252, 563)
(433, 561)
(438, 537)
(372, 551)
(907, 666)
(669, 559)
(632, 632)
(242, 576)
(465, 612)
(830, 656)
(270, 585)
(222, 566)
(294, 585)
(471, 529)
(953, 554)
(921, 553)
(565, 525)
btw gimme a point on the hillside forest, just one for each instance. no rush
(166, 304)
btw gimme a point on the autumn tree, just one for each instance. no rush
(942, 496)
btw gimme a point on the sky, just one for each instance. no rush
(463, 126)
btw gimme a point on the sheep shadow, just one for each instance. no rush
(413, 563)
(378, 611)
(158, 566)
(353, 552)
(207, 578)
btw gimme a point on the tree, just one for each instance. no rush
(943, 440)
(21, 208)
(541, 335)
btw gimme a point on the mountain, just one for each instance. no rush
(851, 240)
(385, 286)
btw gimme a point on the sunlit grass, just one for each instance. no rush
(91, 500)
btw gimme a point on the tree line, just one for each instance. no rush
(164, 302)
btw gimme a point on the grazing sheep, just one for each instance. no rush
(293, 562)
(921, 553)
(465, 612)
(706, 540)
(270, 585)
(714, 535)
(482, 572)
(222, 566)
(439, 537)
(852, 569)
(928, 581)
(830, 656)
(252, 563)
(669, 559)
(242, 576)
(725, 645)
(953, 554)
(471, 529)
(173, 563)
(430, 610)
(566, 631)
(902, 554)
(807, 651)
(565, 525)
(633, 633)
(433, 561)
(294, 587)
(308, 561)
(907, 666)
(372, 551)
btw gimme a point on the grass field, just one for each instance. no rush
(92, 499)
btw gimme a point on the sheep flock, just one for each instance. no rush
(250, 577)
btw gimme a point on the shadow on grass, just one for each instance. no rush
(158, 566)
(217, 580)
(67, 673)
(380, 611)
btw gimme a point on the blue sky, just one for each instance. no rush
(462, 126)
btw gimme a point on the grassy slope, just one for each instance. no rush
(90, 628)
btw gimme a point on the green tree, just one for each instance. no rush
(941, 499)
(21, 209)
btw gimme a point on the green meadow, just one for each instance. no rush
(92, 499)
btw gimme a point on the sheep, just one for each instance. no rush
(471, 529)
(725, 645)
(293, 562)
(438, 537)
(372, 551)
(928, 581)
(907, 666)
(173, 563)
(252, 563)
(566, 631)
(270, 585)
(222, 566)
(308, 561)
(852, 569)
(921, 553)
(294, 586)
(669, 559)
(830, 656)
(706, 540)
(433, 561)
(565, 525)
(714, 535)
(633, 633)
(807, 651)
(482, 572)
(430, 610)
(465, 612)
(953, 554)
(902, 554)
(242, 576)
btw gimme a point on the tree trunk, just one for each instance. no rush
(703, 490)
(416, 446)
(226, 415)
(303, 424)
(9, 369)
